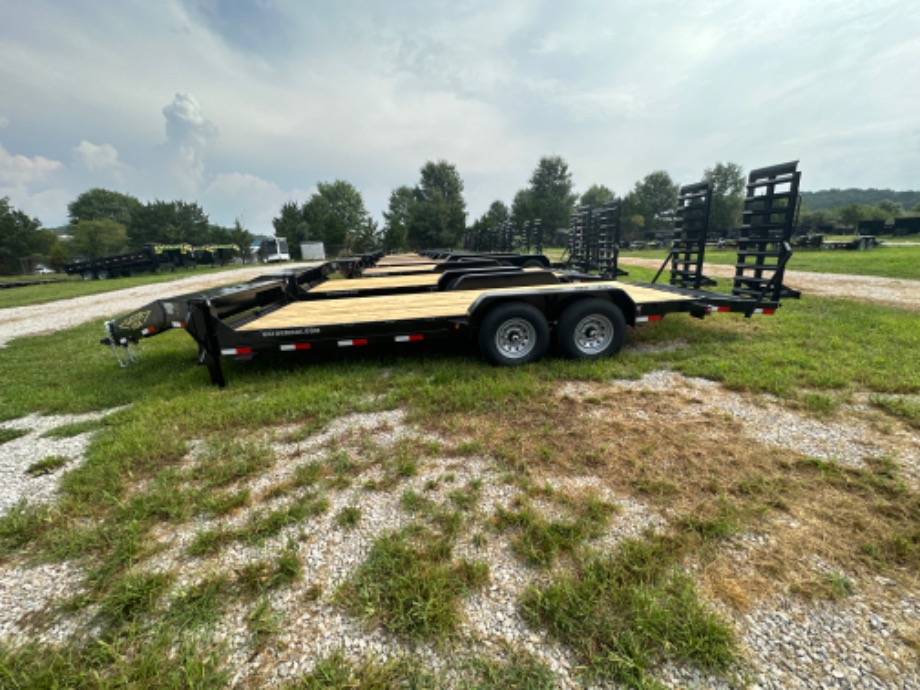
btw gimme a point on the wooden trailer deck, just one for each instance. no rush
(381, 282)
(427, 267)
(431, 305)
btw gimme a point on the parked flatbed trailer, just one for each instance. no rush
(513, 324)
(513, 314)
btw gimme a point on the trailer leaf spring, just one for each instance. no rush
(127, 351)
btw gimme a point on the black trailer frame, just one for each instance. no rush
(275, 313)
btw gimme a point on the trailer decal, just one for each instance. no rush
(284, 332)
(135, 321)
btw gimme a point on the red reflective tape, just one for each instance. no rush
(724, 309)
(654, 318)
(359, 341)
(148, 330)
(295, 346)
(769, 311)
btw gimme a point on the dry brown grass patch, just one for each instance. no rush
(699, 468)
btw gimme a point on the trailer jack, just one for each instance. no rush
(126, 350)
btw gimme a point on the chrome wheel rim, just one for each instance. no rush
(593, 334)
(516, 338)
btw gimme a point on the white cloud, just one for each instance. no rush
(22, 171)
(4, 121)
(96, 157)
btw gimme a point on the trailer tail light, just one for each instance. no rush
(236, 351)
(357, 342)
(414, 338)
(295, 346)
(646, 319)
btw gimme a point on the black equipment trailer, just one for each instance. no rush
(514, 312)
(514, 323)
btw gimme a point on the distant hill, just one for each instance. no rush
(827, 199)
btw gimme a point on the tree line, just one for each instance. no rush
(431, 213)
(105, 222)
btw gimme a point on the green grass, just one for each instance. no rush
(410, 585)
(884, 261)
(69, 287)
(624, 613)
(137, 477)
(7, 435)
(348, 517)
(334, 672)
(47, 465)
(540, 541)
(75, 429)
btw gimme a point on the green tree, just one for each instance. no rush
(438, 215)
(522, 207)
(851, 214)
(596, 195)
(169, 222)
(243, 239)
(892, 209)
(397, 218)
(551, 197)
(95, 238)
(727, 183)
(652, 198)
(21, 238)
(367, 237)
(482, 234)
(291, 225)
(103, 204)
(335, 214)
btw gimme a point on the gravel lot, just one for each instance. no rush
(862, 641)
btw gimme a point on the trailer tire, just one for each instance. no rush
(512, 334)
(590, 329)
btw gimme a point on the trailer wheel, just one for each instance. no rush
(591, 328)
(513, 333)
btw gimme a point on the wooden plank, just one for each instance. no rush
(423, 280)
(423, 306)
(407, 268)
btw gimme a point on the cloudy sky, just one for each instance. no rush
(242, 105)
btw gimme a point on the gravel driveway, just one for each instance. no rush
(17, 322)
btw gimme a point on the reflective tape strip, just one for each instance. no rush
(148, 330)
(353, 343)
(765, 311)
(415, 337)
(178, 324)
(295, 346)
(237, 351)
(645, 319)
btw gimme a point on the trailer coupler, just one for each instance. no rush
(126, 350)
